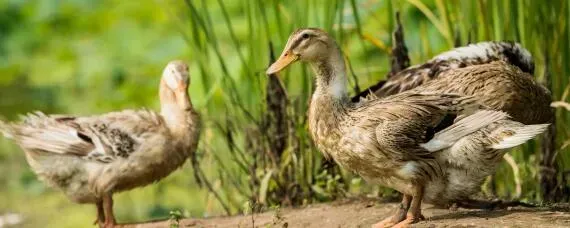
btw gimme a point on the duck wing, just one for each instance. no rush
(473, 54)
(103, 138)
(403, 123)
(407, 120)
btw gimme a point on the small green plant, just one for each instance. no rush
(175, 217)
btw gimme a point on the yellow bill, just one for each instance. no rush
(285, 60)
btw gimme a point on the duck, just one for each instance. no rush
(488, 70)
(398, 141)
(89, 158)
(476, 55)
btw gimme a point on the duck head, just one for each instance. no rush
(308, 45)
(174, 86)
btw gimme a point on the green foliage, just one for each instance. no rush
(88, 57)
(175, 217)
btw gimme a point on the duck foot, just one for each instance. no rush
(398, 216)
(397, 221)
(488, 205)
(390, 221)
(410, 219)
(414, 213)
(409, 212)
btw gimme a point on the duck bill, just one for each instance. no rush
(285, 60)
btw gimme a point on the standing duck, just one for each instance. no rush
(395, 141)
(498, 73)
(91, 158)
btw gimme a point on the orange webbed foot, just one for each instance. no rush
(388, 222)
(410, 219)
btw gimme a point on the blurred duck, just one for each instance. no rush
(91, 158)
(399, 141)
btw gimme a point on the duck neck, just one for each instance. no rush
(177, 111)
(330, 99)
(329, 103)
(331, 80)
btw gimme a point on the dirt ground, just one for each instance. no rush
(365, 212)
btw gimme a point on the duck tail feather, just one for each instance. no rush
(520, 136)
(465, 126)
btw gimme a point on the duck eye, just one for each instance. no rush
(305, 36)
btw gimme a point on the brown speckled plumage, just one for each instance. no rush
(471, 55)
(500, 86)
(90, 158)
(487, 70)
(388, 141)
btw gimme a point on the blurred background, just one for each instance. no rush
(88, 57)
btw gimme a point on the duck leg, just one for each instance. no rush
(414, 214)
(398, 216)
(108, 208)
(100, 214)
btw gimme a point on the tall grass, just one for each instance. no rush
(230, 42)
